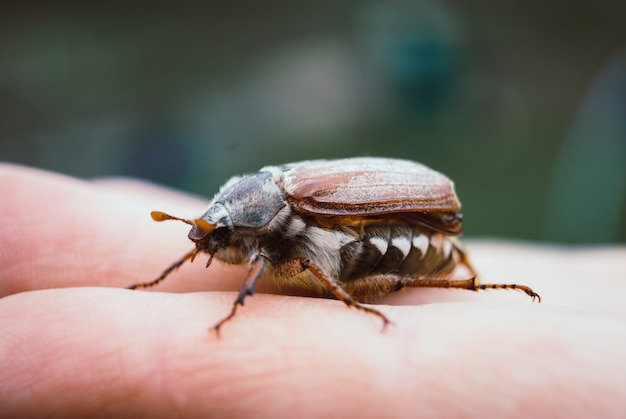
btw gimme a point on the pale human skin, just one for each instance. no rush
(74, 342)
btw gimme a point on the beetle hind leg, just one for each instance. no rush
(341, 294)
(471, 284)
(477, 286)
(371, 288)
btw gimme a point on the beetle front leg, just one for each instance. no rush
(340, 293)
(189, 256)
(247, 288)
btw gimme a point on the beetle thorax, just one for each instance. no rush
(242, 213)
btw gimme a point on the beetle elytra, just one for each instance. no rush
(358, 228)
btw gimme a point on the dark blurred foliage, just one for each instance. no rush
(523, 104)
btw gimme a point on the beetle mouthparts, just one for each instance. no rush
(198, 222)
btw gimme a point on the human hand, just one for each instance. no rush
(73, 342)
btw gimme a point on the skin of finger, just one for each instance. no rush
(105, 352)
(60, 231)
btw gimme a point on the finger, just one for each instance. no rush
(60, 232)
(101, 351)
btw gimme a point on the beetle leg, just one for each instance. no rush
(476, 285)
(340, 293)
(247, 288)
(189, 256)
(472, 284)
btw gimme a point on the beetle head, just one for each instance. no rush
(243, 207)
(211, 232)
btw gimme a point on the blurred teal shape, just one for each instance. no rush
(416, 46)
(587, 195)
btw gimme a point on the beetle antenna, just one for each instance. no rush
(198, 222)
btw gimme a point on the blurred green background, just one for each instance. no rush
(523, 104)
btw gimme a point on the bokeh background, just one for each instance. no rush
(523, 104)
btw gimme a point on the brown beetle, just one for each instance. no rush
(358, 228)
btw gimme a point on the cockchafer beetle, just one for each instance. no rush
(358, 228)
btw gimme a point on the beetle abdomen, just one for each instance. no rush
(399, 249)
(365, 248)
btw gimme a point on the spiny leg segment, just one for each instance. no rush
(532, 294)
(199, 222)
(476, 285)
(471, 284)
